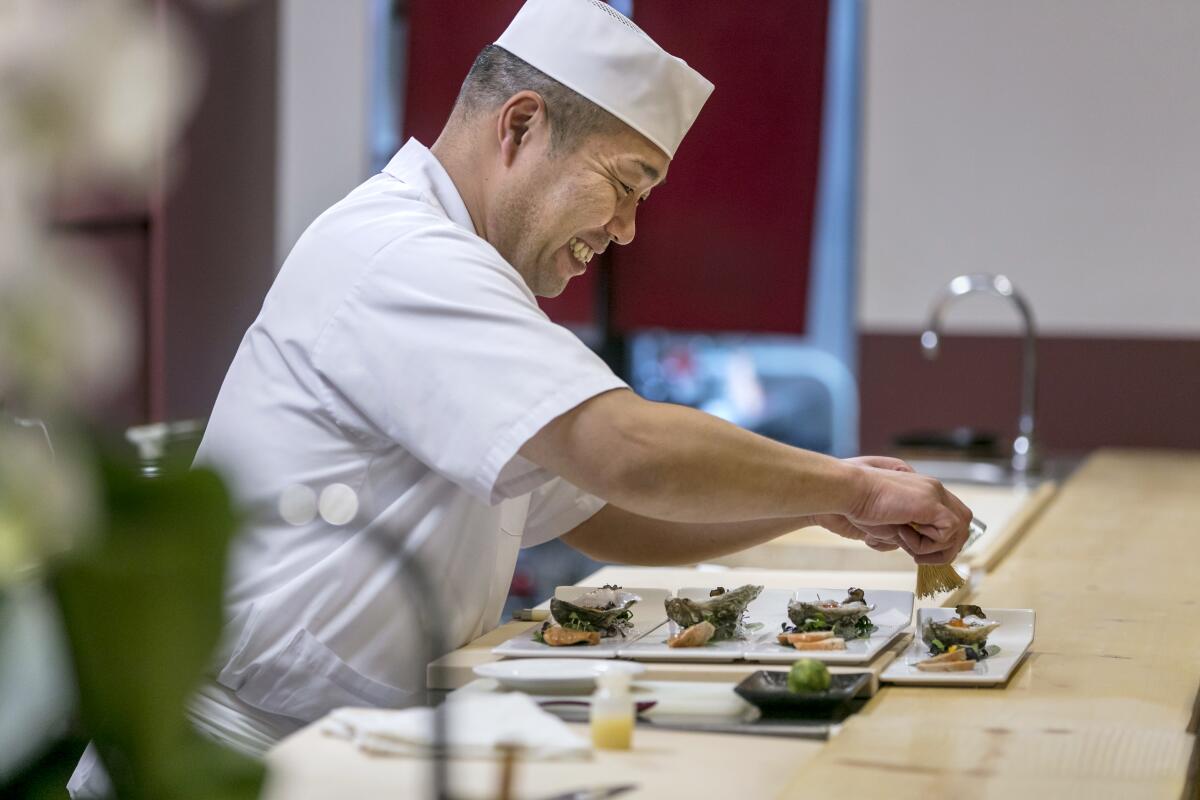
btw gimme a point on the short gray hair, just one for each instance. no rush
(497, 75)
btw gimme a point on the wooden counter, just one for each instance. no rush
(1103, 707)
(664, 764)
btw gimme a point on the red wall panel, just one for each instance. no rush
(577, 303)
(724, 244)
(444, 36)
(213, 238)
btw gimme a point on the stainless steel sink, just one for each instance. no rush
(992, 473)
(964, 471)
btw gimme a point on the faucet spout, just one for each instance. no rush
(1024, 455)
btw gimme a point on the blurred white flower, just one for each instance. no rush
(47, 500)
(93, 89)
(91, 92)
(67, 338)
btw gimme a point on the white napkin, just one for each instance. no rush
(476, 723)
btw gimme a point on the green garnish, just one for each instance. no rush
(861, 628)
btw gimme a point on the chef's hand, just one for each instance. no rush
(899, 508)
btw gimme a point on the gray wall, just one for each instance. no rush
(1056, 142)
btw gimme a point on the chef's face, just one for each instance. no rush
(562, 207)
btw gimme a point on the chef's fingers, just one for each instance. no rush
(920, 540)
(883, 532)
(867, 536)
(945, 554)
(880, 545)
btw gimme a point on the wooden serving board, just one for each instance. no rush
(455, 669)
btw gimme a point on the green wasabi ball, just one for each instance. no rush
(808, 675)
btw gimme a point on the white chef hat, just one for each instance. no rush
(593, 49)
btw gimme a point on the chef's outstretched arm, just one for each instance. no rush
(674, 464)
(619, 536)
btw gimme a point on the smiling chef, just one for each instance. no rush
(401, 371)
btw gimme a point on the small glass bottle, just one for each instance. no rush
(612, 712)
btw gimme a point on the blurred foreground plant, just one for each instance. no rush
(94, 93)
(142, 610)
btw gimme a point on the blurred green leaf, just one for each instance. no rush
(143, 612)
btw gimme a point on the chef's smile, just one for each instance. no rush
(579, 254)
(580, 249)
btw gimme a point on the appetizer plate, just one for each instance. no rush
(1013, 637)
(769, 692)
(553, 674)
(653, 646)
(892, 615)
(648, 613)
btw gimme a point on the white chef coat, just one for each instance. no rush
(399, 354)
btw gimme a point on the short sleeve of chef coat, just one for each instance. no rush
(555, 508)
(440, 347)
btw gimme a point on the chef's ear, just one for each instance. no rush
(521, 115)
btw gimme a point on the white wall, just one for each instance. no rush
(324, 78)
(1057, 142)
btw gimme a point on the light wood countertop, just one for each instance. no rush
(1104, 706)
(663, 764)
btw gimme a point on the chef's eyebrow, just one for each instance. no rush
(650, 171)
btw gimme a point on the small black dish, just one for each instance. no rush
(769, 692)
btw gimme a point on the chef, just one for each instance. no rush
(401, 399)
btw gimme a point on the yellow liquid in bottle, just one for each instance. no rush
(612, 732)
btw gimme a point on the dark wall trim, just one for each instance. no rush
(1093, 392)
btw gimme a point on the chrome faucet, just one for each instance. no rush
(1024, 454)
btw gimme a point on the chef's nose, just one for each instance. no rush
(621, 226)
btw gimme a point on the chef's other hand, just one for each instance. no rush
(899, 508)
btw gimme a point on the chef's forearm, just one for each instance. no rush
(674, 463)
(616, 535)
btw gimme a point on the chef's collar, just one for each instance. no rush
(418, 167)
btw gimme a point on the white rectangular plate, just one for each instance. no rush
(676, 700)
(892, 615)
(649, 613)
(1013, 637)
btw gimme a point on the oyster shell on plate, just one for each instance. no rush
(606, 610)
(724, 611)
(849, 610)
(968, 631)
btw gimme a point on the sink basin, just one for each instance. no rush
(948, 471)
(994, 473)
